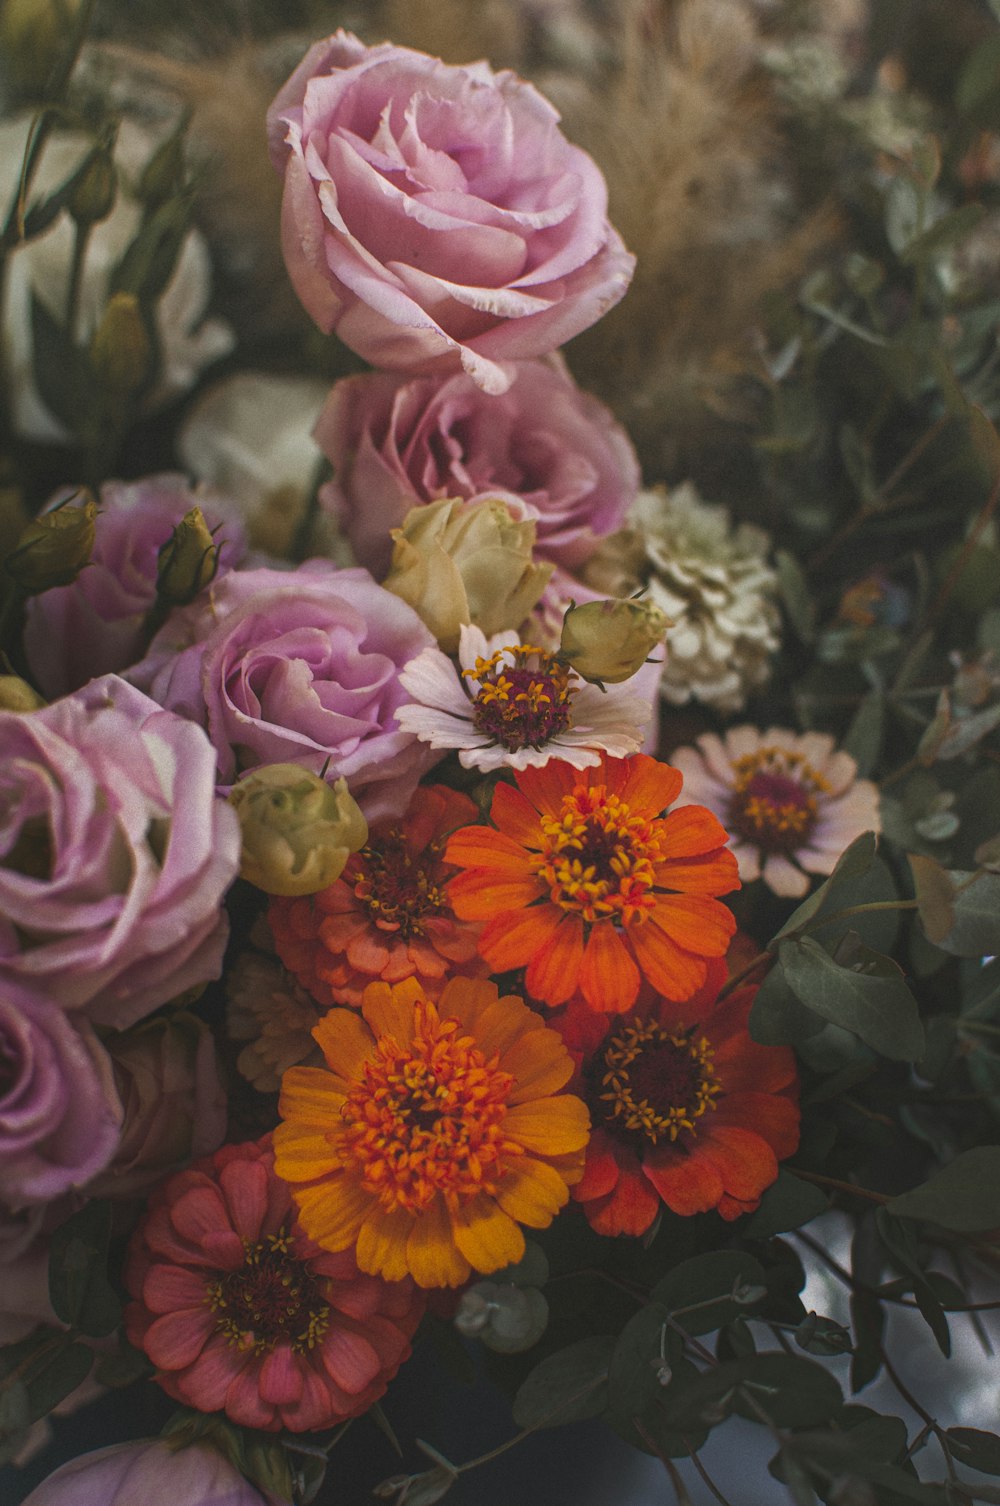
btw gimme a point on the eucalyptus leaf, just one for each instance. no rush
(787, 1204)
(868, 998)
(965, 1195)
(976, 928)
(977, 1449)
(568, 1386)
(853, 862)
(79, 1288)
(935, 896)
(698, 1292)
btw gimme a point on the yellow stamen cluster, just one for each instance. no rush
(398, 889)
(271, 1298)
(521, 704)
(426, 1120)
(599, 859)
(657, 1082)
(774, 801)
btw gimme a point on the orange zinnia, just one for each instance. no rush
(586, 884)
(433, 1132)
(696, 1116)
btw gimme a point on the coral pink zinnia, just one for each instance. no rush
(241, 1313)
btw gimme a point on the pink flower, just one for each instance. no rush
(241, 1312)
(94, 626)
(60, 1115)
(114, 854)
(397, 441)
(790, 802)
(151, 1471)
(435, 217)
(297, 667)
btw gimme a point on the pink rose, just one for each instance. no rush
(396, 441)
(298, 667)
(436, 217)
(94, 626)
(152, 1471)
(114, 854)
(59, 1110)
(173, 1099)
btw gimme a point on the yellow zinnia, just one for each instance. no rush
(433, 1132)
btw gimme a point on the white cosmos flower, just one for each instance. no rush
(512, 705)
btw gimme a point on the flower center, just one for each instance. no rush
(427, 1119)
(398, 891)
(270, 1299)
(654, 1083)
(517, 704)
(774, 800)
(599, 858)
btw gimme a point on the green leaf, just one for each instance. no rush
(698, 1292)
(976, 1449)
(777, 1017)
(62, 372)
(863, 738)
(818, 1335)
(795, 595)
(643, 1364)
(976, 928)
(79, 1288)
(869, 998)
(56, 1375)
(787, 1204)
(965, 1195)
(935, 896)
(566, 1387)
(951, 227)
(853, 862)
(778, 1388)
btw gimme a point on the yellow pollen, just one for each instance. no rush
(518, 703)
(656, 1083)
(599, 858)
(272, 1298)
(426, 1120)
(775, 800)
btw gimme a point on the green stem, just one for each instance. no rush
(80, 241)
(870, 909)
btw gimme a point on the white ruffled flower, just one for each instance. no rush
(188, 341)
(713, 582)
(512, 705)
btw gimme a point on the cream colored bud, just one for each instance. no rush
(17, 695)
(120, 351)
(608, 641)
(298, 831)
(187, 562)
(53, 548)
(460, 562)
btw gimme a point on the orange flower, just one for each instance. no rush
(433, 1132)
(694, 1115)
(590, 888)
(387, 917)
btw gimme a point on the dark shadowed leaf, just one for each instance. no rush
(965, 1195)
(566, 1387)
(869, 998)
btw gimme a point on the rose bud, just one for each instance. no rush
(298, 831)
(54, 548)
(17, 695)
(608, 641)
(120, 351)
(187, 562)
(460, 562)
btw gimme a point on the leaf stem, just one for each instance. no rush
(836, 1185)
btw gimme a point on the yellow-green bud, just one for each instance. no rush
(33, 36)
(17, 695)
(53, 548)
(187, 562)
(120, 351)
(298, 831)
(460, 562)
(608, 641)
(92, 197)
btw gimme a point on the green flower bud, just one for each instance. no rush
(17, 695)
(92, 196)
(53, 548)
(187, 562)
(32, 41)
(608, 641)
(298, 831)
(120, 351)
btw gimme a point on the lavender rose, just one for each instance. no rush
(114, 854)
(151, 1471)
(435, 217)
(59, 1111)
(94, 626)
(394, 442)
(297, 667)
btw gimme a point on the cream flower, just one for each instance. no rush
(512, 705)
(791, 803)
(711, 580)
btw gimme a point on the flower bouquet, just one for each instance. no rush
(499, 791)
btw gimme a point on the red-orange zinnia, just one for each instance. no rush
(433, 1132)
(585, 883)
(694, 1115)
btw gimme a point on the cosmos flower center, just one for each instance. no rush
(774, 802)
(654, 1083)
(520, 704)
(270, 1299)
(399, 891)
(426, 1120)
(599, 857)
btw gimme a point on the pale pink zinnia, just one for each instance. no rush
(241, 1313)
(792, 803)
(514, 705)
